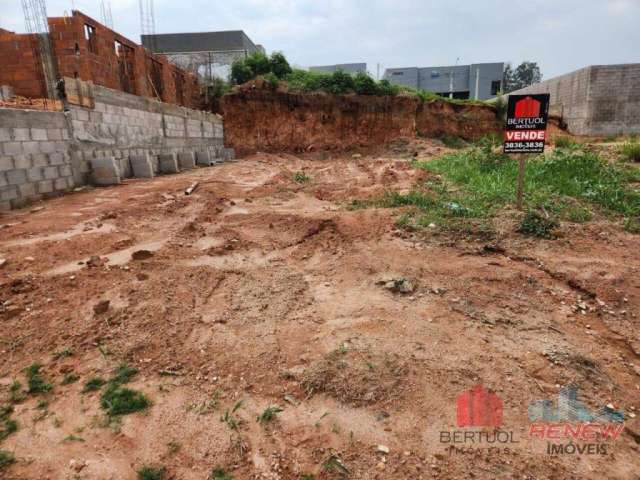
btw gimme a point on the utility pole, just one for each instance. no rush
(451, 73)
(477, 82)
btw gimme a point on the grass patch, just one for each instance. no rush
(36, 382)
(118, 400)
(630, 151)
(93, 384)
(301, 177)
(219, 474)
(269, 414)
(556, 182)
(6, 459)
(152, 473)
(565, 142)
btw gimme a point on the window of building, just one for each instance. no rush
(90, 37)
(435, 74)
(495, 87)
(397, 74)
(118, 47)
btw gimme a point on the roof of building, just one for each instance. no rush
(345, 67)
(199, 42)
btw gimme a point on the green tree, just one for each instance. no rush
(279, 65)
(527, 73)
(240, 72)
(364, 84)
(259, 64)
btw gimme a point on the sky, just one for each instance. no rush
(561, 35)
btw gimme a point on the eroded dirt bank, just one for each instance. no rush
(268, 291)
(259, 118)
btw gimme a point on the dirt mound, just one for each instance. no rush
(260, 118)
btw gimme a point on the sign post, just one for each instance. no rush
(525, 131)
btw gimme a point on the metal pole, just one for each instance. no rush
(521, 172)
(477, 82)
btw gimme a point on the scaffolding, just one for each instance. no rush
(105, 13)
(35, 16)
(147, 18)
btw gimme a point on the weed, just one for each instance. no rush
(65, 352)
(565, 142)
(73, 438)
(124, 373)
(117, 400)
(152, 473)
(308, 476)
(269, 414)
(7, 427)
(6, 411)
(538, 225)
(70, 378)
(174, 447)
(301, 177)
(37, 383)
(335, 464)
(219, 474)
(630, 151)
(93, 384)
(42, 405)
(6, 459)
(229, 418)
(578, 214)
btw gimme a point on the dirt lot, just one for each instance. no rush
(270, 291)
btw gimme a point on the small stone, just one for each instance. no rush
(380, 466)
(382, 449)
(356, 155)
(3, 262)
(37, 209)
(101, 307)
(142, 277)
(432, 225)
(30, 259)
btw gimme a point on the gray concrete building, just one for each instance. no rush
(352, 68)
(595, 100)
(207, 53)
(479, 81)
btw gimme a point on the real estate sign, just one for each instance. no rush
(526, 127)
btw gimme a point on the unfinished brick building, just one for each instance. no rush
(84, 48)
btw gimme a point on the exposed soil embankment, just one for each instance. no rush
(260, 118)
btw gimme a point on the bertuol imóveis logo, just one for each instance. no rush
(479, 415)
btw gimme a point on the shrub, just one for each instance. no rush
(537, 225)
(279, 65)
(386, 88)
(241, 72)
(301, 177)
(258, 63)
(364, 84)
(272, 80)
(219, 474)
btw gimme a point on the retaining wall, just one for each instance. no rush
(44, 153)
(596, 100)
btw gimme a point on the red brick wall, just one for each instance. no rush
(18, 68)
(94, 61)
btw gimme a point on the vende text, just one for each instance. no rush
(519, 135)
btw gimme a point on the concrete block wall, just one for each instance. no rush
(596, 100)
(44, 153)
(35, 159)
